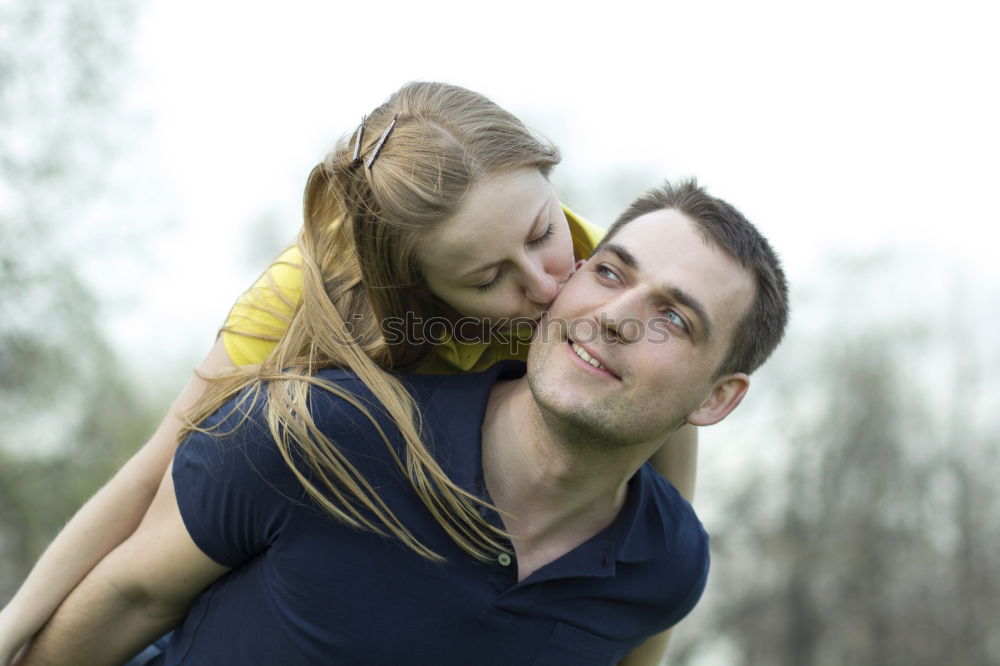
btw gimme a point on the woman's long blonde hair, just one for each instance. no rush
(358, 244)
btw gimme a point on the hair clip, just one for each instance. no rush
(357, 141)
(378, 146)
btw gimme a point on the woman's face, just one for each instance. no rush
(505, 253)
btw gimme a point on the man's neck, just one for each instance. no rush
(555, 495)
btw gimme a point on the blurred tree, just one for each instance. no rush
(68, 416)
(874, 540)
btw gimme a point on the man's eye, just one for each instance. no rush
(607, 272)
(676, 319)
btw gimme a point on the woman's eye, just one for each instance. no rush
(492, 283)
(545, 236)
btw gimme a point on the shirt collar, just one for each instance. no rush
(632, 535)
(453, 415)
(630, 538)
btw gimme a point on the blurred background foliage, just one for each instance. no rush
(860, 525)
(69, 413)
(852, 500)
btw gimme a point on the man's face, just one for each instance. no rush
(629, 348)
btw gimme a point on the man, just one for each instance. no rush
(660, 327)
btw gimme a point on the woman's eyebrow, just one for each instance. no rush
(481, 269)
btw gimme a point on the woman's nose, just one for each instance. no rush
(540, 287)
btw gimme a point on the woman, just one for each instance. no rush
(437, 208)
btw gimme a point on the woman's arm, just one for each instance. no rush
(140, 590)
(649, 653)
(103, 523)
(677, 460)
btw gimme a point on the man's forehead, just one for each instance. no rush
(657, 227)
(666, 239)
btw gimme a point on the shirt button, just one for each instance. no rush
(504, 559)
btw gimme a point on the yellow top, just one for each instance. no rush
(261, 315)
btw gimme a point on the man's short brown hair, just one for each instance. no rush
(763, 325)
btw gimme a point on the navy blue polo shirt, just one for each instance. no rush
(305, 589)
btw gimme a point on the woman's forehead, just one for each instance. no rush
(496, 218)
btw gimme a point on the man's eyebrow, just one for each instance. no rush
(676, 293)
(690, 302)
(484, 267)
(623, 255)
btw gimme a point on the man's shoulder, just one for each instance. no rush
(449, 408)
(667, 534)
(429, 391)
(675, 517)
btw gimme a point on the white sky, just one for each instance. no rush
(838, 125)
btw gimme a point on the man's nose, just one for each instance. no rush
(621, 318)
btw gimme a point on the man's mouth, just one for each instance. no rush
(592, 360)
(582, 353)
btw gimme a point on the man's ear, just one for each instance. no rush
(727, 392)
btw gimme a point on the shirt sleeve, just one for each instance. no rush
(234, 491)
(586, 235)
(261, 315)
(698, 575)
